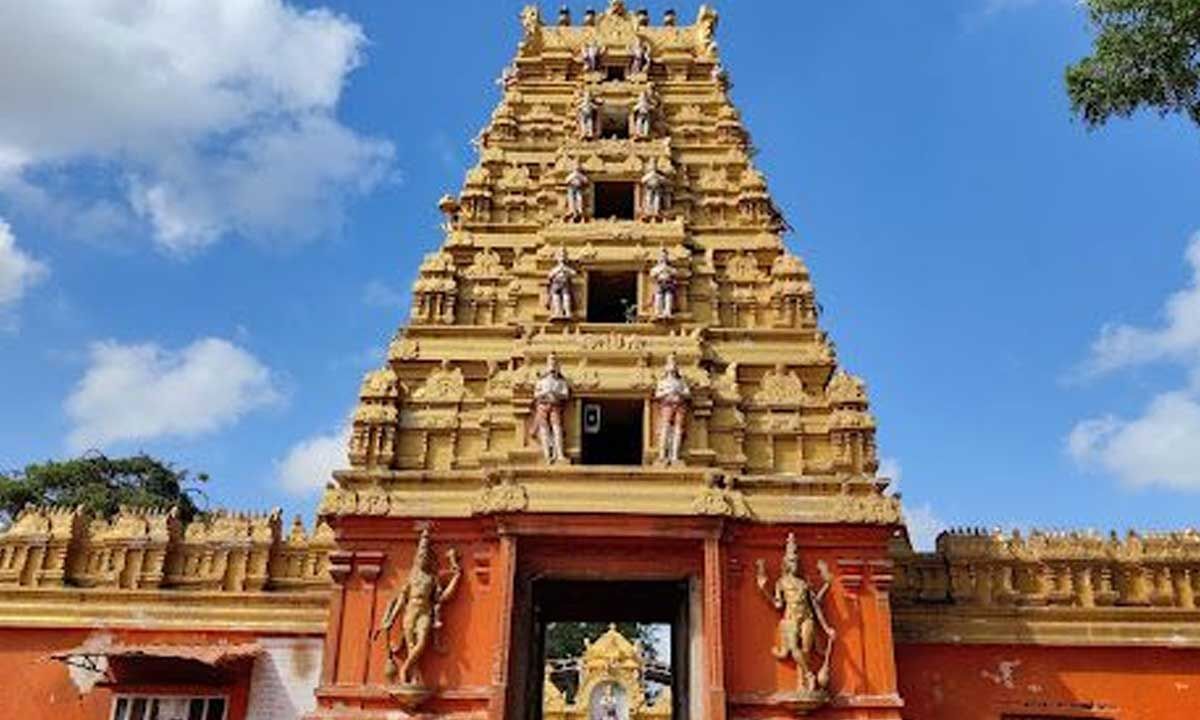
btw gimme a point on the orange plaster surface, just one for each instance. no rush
(470, 620)
(857, 607)
(990, 682)
(33, 687)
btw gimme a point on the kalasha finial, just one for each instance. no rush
(589, 17)
(669, 17)
(564, 15)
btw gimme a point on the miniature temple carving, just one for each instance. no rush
(416, 607)
(549, 396)
(673, 396)
(611, 684)
(803, 618)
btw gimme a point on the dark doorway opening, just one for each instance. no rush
(612, 431)
(655, 611)
(614, 122)
(614, 200)
(612, 297)
(614, 73)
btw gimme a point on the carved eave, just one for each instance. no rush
(666, 491)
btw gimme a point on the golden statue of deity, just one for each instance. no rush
(802, 618)
(417, 607)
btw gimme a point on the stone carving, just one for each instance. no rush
(706, 28)
(643, 115)
(663, 276)
(654, 190)
(721, 498)
(590, 56)
(639, 57)
(802, 618)
(587, 113)
(673, 397)
(577, 184)
(558, 288)
(780, 387)
(500, 496)
(975, 567)
(550, 394)
(416, 607)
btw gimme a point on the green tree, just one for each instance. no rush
(101, 484)
(1146, 55)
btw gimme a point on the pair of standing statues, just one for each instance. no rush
(672, 395)
(416, 608)
(654, 193)
(559, 299)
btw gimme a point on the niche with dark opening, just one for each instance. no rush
(614, 200)
(614, 73)
(611, 431)
(660, 604)
(614, 122)
(611, 297)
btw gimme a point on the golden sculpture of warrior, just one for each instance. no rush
(802, 616)
(417, 607)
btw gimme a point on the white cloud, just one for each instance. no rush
(310, 463)
(1178, 338)
(18, 270)
(142, 392)
(379, 294)
(923, 523)
(208, 117)
(923, 526)
(1162, 446)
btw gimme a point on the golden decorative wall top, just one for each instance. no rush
(146, 549)
(1069, 587)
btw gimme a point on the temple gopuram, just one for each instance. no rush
(612, 406)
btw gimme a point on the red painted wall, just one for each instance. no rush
(988, 682)
(33, 687)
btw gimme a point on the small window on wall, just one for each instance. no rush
(168, 707)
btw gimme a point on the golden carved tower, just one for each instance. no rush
(612, 345)
(455, 403)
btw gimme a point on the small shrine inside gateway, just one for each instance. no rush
(611, 685)
(612, 402)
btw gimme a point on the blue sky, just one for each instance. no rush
(213, 212)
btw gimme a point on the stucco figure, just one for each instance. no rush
(417, 608)
(550, 394)
(673, 396)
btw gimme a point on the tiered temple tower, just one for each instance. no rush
(612, 401)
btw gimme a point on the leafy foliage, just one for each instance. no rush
(100, 484)
(1147, 54)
